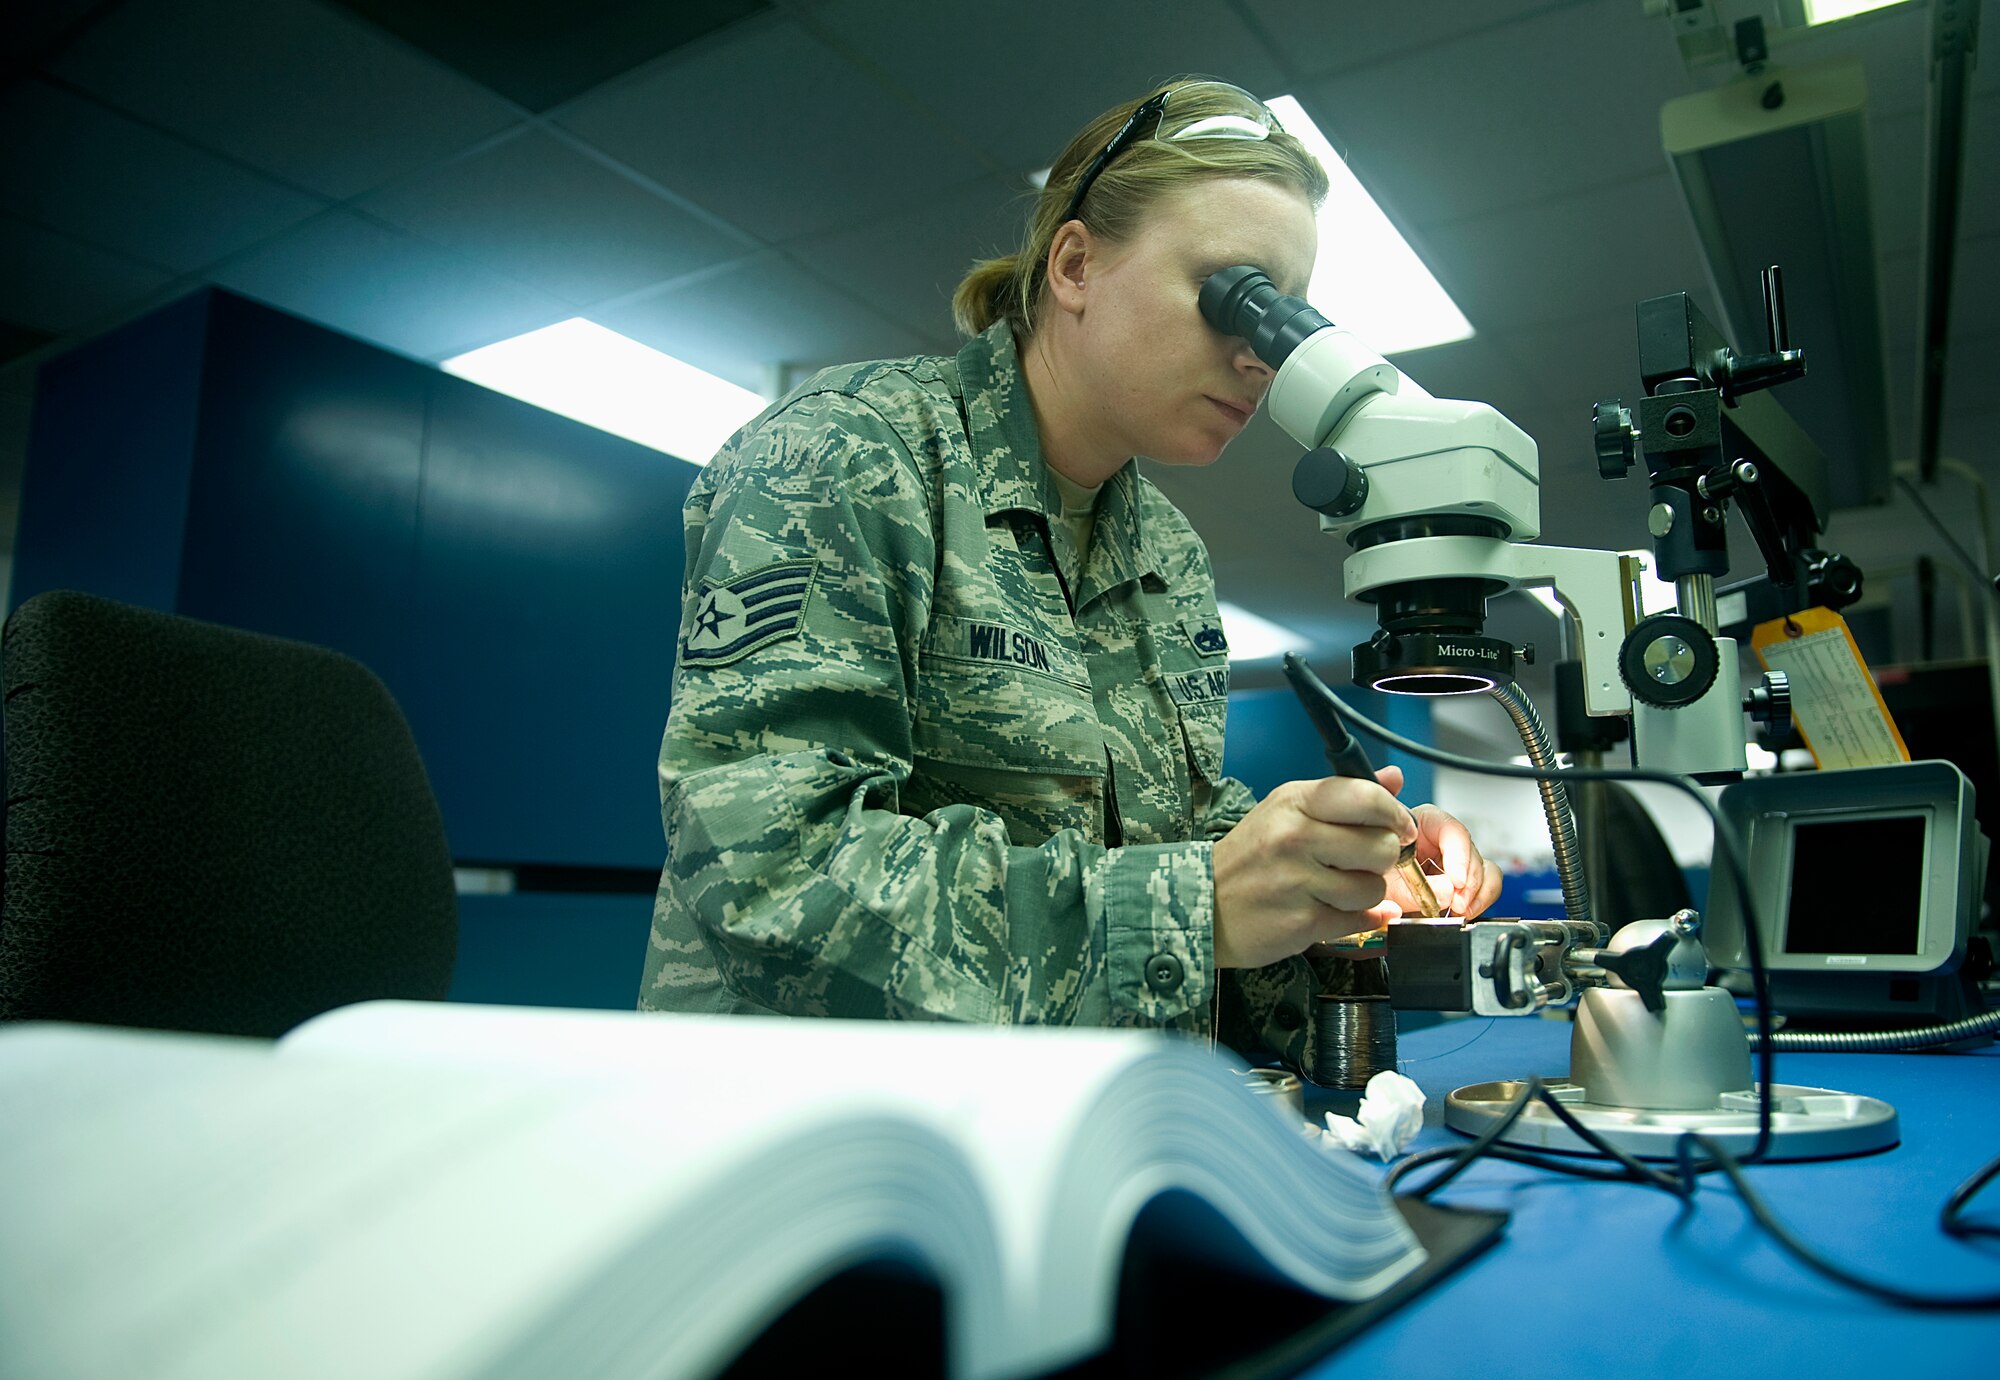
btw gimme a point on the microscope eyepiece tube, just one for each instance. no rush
(1244, 301)
(1322, 371)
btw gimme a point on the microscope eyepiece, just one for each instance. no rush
(1244, 301)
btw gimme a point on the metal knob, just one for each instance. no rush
(1617, 440)
(1668, 661)
(1770, 704)
(1328, 482)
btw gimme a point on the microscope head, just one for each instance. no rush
(1387, 465)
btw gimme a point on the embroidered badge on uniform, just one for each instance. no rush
(1206, 637)
(734, 619)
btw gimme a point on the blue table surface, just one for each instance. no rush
(1620, 1280)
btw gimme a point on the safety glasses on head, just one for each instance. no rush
(1196, 110)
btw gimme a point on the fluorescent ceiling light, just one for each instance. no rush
(1256, 639)
(583, 370)
(1367, 277)
(1826, 11)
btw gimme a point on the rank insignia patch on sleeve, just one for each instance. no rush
(1206, 636)
(734, 619)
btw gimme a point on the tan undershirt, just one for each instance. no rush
(1079, 510)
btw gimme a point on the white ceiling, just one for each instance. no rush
(807, 185)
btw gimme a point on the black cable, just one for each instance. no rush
(1632, 1170)
(1949, 1219)
(1581, 1169)
(1465, 1154)
(1957, 549)
(1799, 1251)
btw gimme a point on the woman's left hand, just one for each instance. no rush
(1465, 883)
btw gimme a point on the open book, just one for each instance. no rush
(429, 1190)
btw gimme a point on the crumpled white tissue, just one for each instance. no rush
(1391, 1114)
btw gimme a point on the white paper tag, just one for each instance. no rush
(1839, 711)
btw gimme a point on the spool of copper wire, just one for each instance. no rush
(1354, 1038)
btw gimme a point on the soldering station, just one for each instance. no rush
(1438, 504)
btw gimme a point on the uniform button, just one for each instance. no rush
(1286, 1017)
(1164, 973)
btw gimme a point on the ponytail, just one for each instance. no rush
(985, 295)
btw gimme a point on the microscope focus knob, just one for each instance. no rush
(1617, 439)
(1770, 704)
(1328, 482)
(1668, 661)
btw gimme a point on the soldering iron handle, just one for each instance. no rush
(1344, 752)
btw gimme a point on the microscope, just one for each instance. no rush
(1438, 502)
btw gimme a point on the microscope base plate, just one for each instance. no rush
(1806, 1123)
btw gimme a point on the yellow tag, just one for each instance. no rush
(1839, 710)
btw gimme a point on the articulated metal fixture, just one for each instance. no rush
(1518, 967)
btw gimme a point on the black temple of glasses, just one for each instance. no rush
(1150, 108)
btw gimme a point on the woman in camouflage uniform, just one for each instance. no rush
(946, 731)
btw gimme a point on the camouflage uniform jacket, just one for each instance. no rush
(920, 762)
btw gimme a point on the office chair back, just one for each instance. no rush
(208, 829)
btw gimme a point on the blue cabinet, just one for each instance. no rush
(513, 576)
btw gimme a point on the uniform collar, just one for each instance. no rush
(1007, 454)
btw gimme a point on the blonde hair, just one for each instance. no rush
(1130, 185)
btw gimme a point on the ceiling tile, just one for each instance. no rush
(17, 340)
(1020, 79)
(309, 94)
(55, 283)
(757, 316)
(1316, 38)
(1896, 181)
(1506, 116)
(1576, 363)
(1603, 249)
(1899, 345)
(1478, 369)
(541, 211)
(1974, 436)
(541, 52)
(18, 379)
(370, 280)
(1975, 306)
(70, 164)
(768, 129)
(909, 264)
(1966, 423)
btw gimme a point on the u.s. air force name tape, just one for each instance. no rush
(1198, 687)
(735, 618)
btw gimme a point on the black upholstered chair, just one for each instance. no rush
(208, 829)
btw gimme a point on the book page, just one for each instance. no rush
(1070, 1132)
(190, 1207)
(1010, 1098)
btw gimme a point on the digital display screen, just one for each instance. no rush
(1857, 886)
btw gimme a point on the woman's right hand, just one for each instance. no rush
(1308, 864)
